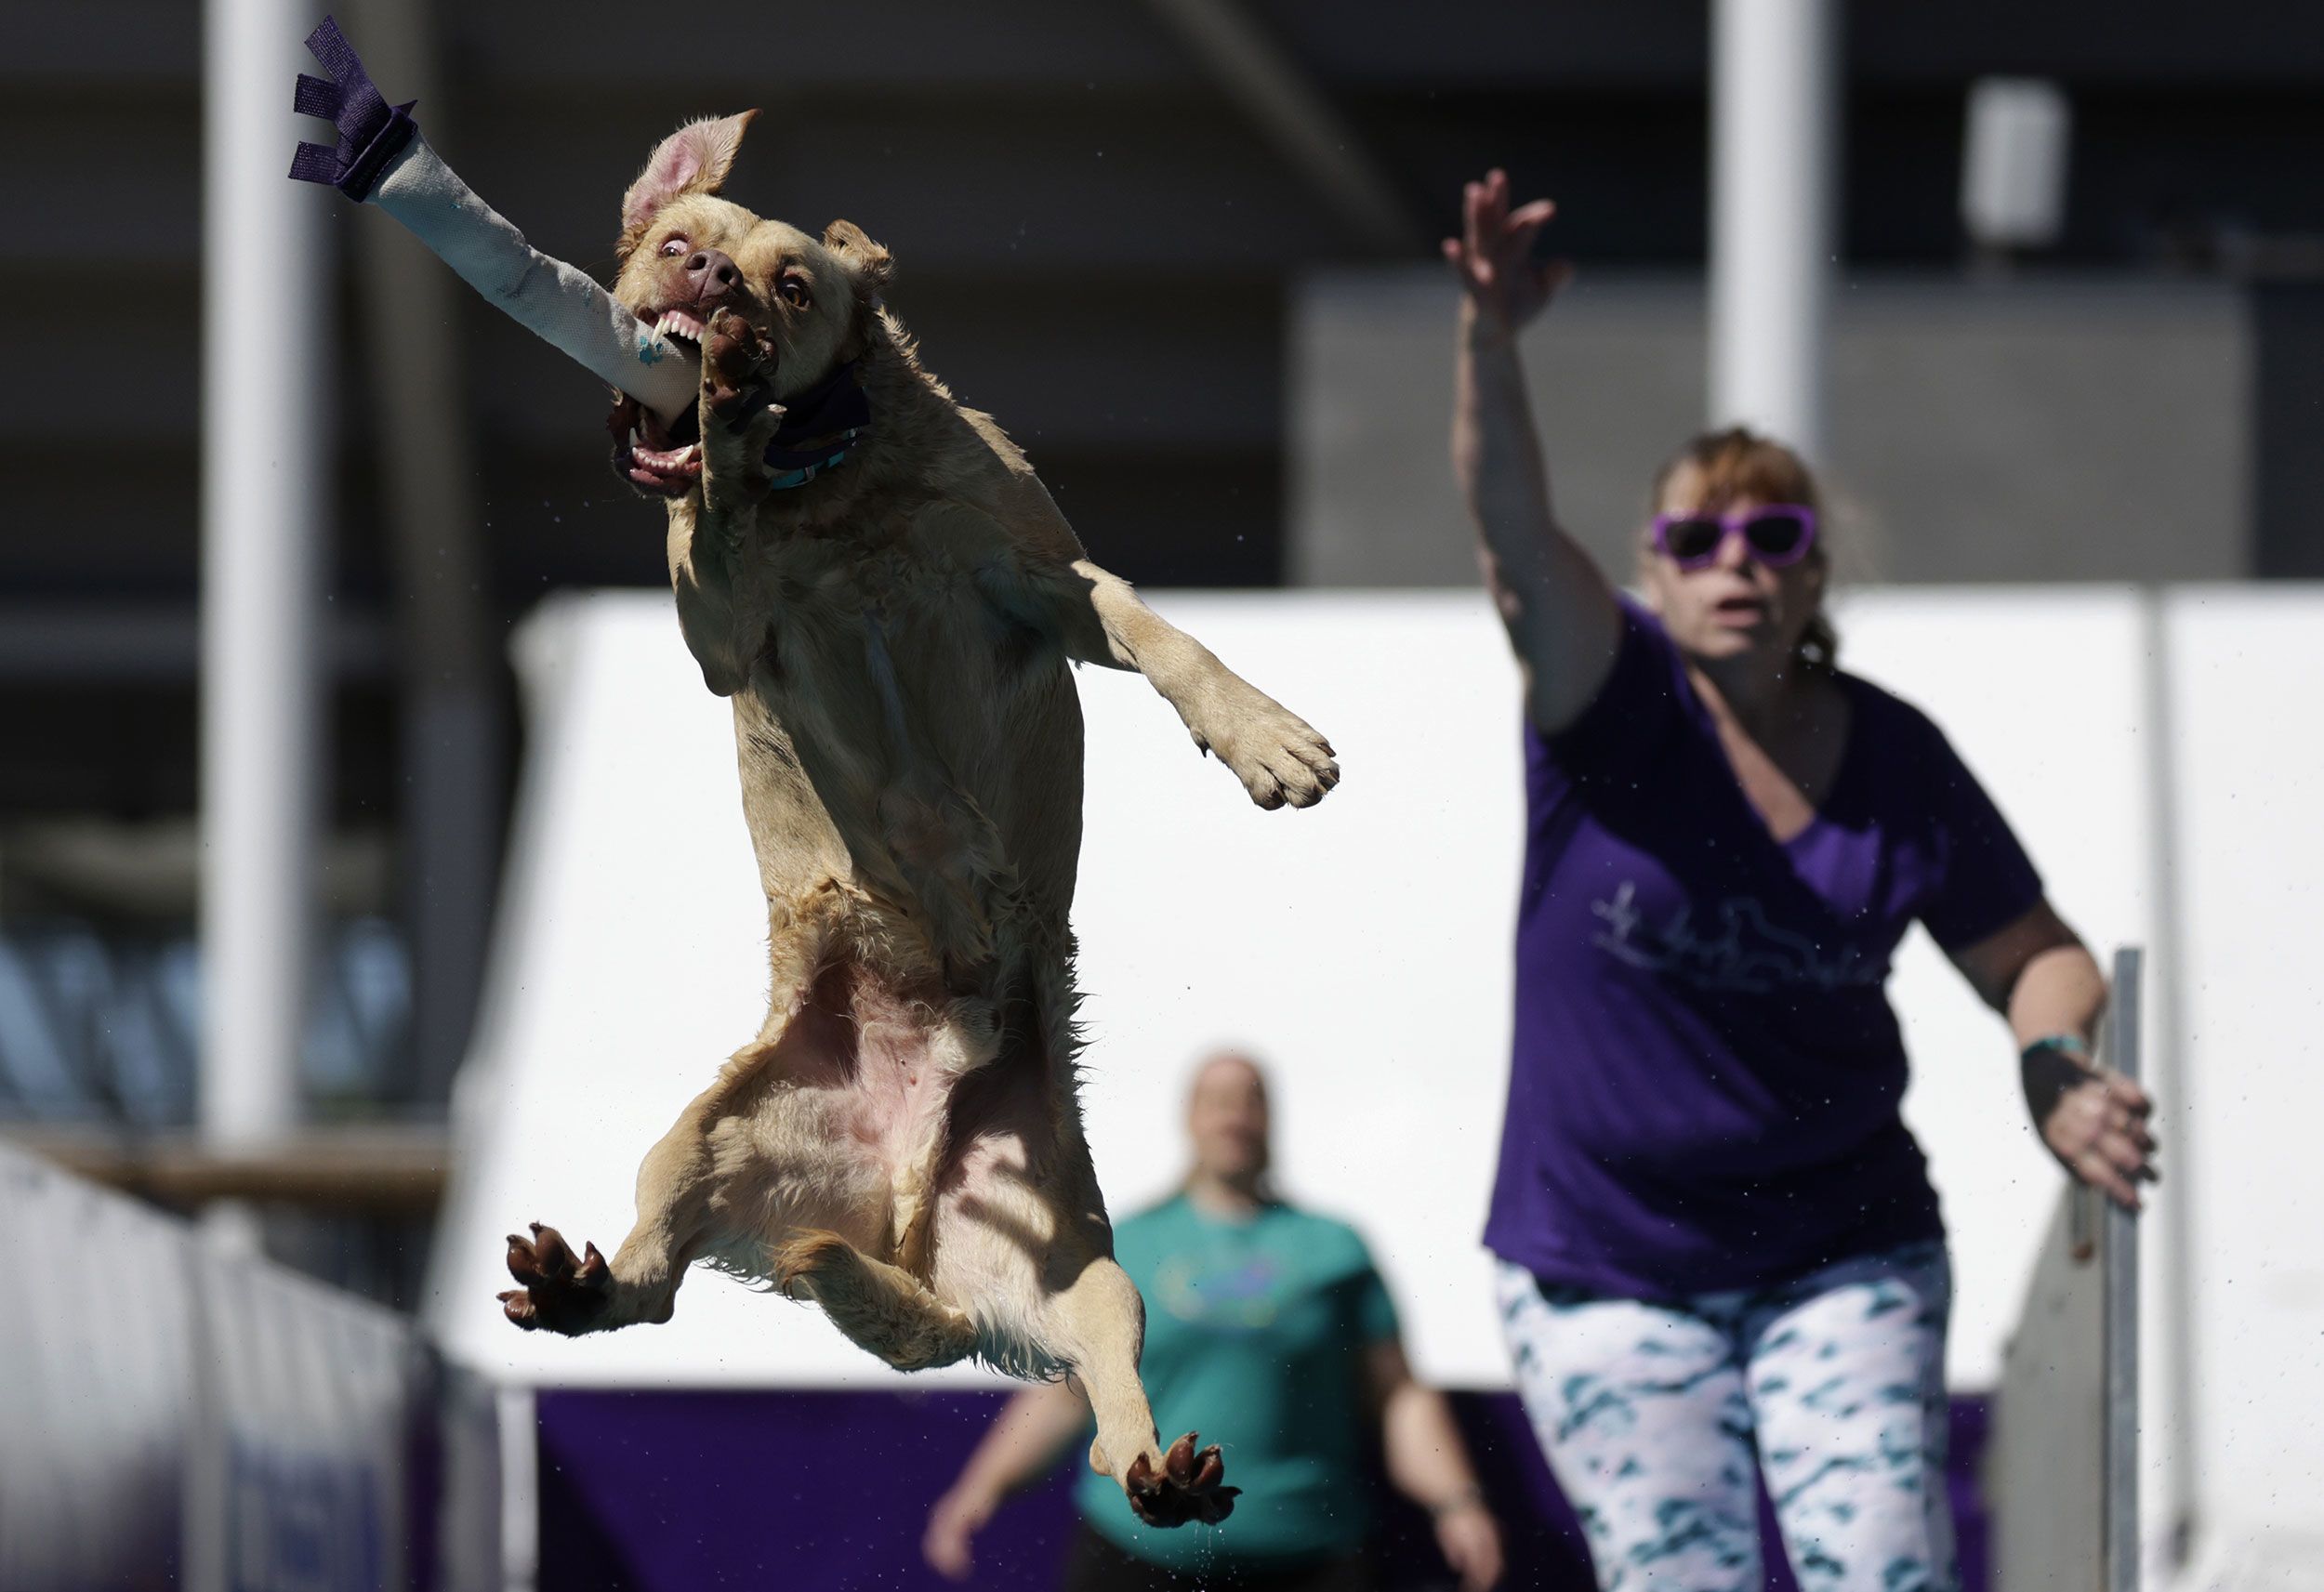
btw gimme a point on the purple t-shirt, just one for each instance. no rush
(1704, 1087)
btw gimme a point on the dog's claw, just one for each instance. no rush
(562, 1292)
(733, 358)
(1184, 1488)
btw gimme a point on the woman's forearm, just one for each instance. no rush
(1559, 609)
(2060, 991)
(1025, 1441)
(1495, 453)
(2094, 1121)
(1421, 1446)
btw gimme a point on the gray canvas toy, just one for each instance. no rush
(382, 160)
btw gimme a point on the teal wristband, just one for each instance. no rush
(2072, 1044)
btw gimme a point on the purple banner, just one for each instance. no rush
(676, 1491)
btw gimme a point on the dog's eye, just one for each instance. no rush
(794, 292)
(673, 244)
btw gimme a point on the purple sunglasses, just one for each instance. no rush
(1778, 535)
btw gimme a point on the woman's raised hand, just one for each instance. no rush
(1493, 256)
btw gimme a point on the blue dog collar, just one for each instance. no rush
(833, 414)
(806, 473)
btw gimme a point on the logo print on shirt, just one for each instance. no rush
(1743, 954)
(1241, 1295)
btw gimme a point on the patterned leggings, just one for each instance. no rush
(1648, 1412)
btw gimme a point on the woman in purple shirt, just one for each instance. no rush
(1718, 1242)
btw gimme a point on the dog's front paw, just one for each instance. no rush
(739, 414)
(1277, 754)
(736, 364)
(1185, 1486)
(562, 1292)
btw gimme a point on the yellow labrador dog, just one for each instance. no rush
(877, 580)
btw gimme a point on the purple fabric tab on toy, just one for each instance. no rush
(834, 411)
(371, 131)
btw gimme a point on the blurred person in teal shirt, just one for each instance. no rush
(1268, 1328)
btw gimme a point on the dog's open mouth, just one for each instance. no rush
(665, 460)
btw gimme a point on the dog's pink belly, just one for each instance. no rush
(907, 1060)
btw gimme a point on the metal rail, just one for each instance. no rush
(2118, 1267)
(2062, 1471)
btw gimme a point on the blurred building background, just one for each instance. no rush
(1184, 249)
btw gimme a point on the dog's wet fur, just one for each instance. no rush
(902, 1142)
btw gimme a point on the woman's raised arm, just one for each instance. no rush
(1557, 604)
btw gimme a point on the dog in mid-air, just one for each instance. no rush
(875, 579)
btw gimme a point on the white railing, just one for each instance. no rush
(173, 1414)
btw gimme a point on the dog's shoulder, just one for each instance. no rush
(953, 459)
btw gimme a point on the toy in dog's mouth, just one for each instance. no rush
(666, 460)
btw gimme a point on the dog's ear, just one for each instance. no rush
(694, 159)
(873, 265)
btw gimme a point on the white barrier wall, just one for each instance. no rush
(1362, 948)
(95, 1400)
(2247, 759)
(172, 1415)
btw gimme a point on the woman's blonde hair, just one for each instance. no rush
(1737, 462)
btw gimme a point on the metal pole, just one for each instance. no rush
(265, 433)
(2124, 1047)
(1775, 100)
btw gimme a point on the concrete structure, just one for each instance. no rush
(2025, 430)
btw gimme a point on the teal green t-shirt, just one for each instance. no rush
(1255, 1331)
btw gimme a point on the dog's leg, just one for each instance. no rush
(708, 535)
(573, 1295)
(881, 1308)
(681, 1175)
(1097, 1325)
(739, 416)
(1277, 754)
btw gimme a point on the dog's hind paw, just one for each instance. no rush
(562, 1292)
(1185, 1488)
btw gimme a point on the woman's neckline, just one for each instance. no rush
(1820, 807)
(1239, 1216)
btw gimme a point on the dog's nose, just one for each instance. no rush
(712, 274)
